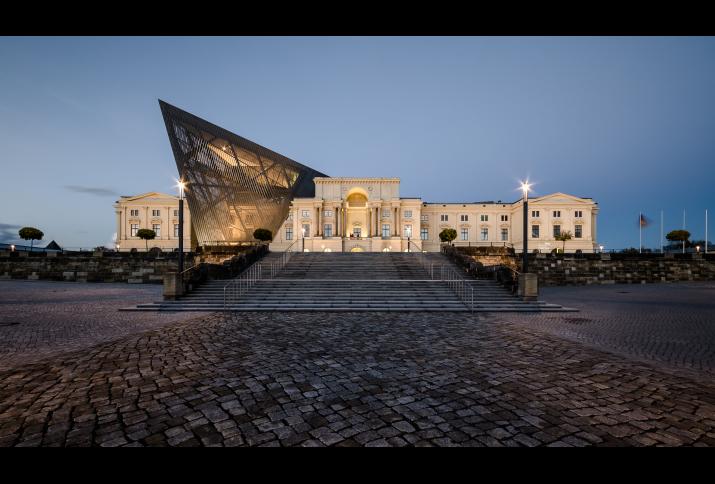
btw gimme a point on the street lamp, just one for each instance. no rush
(600, 247)
(303, 232)
(181, 186)
(12, 247)
(697, 249)
(525, 261)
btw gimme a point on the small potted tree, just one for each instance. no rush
(448, 235)
(679, 236)
(146, 235)
(264, 235)
(32, 234)
(563, 237)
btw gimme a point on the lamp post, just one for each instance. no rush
(303, 232)
(525, 260)
(181, 185)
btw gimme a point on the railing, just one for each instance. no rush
(460, 286)
(257, 272)
(426, 264)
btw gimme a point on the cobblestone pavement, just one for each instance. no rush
(44, 318)
(351, 379)
(672, 324)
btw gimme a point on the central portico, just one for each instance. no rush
(351, 215)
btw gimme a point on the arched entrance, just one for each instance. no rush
(357, 219)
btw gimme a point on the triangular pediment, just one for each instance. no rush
(560, 197)
(150, 196)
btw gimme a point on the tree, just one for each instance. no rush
(448, 235)
(679, 236)
(31, 233)
(563, 237)
(146, 235)
(263, 234)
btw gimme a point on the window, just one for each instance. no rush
(578, 214)
(385, 213)
(424, 234)
(485, 234)
(424, 218)
(385, 230)
(328, 230)
(176, 230)
(535, 214)
(289, 233)
(306, 213)
(484, 218)
(134, 213)
(504, 218)
(176, 213)
(444, 218)
(135, 228)
(327, 213)
(157, 229)
(306, 230)
(557, 213)
(464, 218)
(465, 234)
(408, 230)
(578, 229)
(408, 213)
(534, 231)
(357, 231)
(557, 230)
(504, 235)
(156, 213)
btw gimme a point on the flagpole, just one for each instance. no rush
(683, 229)
(706, 230)
(640, 232)
(661, 231)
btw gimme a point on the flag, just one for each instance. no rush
(643, 220)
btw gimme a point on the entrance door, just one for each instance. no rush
(357, 231)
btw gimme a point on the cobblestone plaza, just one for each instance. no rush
(633, 368)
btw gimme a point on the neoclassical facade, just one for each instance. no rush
(155, 211)
(368, 214)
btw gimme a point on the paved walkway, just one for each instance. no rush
(39, 319)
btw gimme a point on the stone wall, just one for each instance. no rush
(87, 267)
(584, 269)
(621, 268)
(137, 268)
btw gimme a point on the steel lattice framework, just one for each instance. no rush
(234, 185)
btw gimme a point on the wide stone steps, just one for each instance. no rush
(338, 282)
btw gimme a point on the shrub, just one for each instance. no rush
(448, 235)
(263, 235)
(146, 235)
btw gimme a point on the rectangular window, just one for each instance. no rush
(408, 213)
(534, 231)
(328, 230)
(327, 213)
(306, 230)
(444, 217)
(424, 218)
(578, 214)
(465, 234)
(535, 214)
(424, 234)
(385, 230)
(504, 235)
(578, 231)
(135, 228)
(484, 218)
(157, 229)
(176, 230)
(464, 218)
(504, 218)
(408, 230)
(485, 233)
(289, 233)
(176, 213)
(134, 213)
(557, 213)
(156, 213)
(385, 213)
(306, 213)
(557, 230)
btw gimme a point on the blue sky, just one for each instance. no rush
(627, 121)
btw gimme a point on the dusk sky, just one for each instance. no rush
(627, 121)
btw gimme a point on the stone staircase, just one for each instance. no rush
(364, 281)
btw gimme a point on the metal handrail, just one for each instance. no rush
(461, 287)
(238, 286)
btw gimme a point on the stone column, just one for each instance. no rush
(119, 227)
(318, 231)
(369, 222)
(295, 224)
